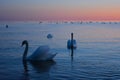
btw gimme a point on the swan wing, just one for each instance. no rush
(42, 53)
(51, 57)
(48, 56)
(39, 53)
(74, 44)
(69, 44)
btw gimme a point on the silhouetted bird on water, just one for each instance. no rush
(49, 36)
(71, 44)
(6, 26)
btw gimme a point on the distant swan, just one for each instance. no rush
(49, 36)
(41, 53)
(71, 44)
(6, 26)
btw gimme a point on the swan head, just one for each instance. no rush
(24, 42)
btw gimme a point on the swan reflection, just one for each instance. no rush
(42, 66)
(39, 66)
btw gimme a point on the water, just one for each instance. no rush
(96, 57)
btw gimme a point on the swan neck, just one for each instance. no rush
(71, 40)
(25, 52)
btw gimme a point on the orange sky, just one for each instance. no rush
(36, 10)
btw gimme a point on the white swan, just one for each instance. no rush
(71, 44)
(49, 36)
(41, 53)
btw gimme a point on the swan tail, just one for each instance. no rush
(51, 57)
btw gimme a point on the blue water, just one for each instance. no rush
(97, 56)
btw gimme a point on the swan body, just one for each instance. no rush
(41, 53)
(71, 44)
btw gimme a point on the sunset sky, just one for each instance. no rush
(37, 10)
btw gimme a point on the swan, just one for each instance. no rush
(49, 36)
(71, 44)
(42, 53)
(6, 26)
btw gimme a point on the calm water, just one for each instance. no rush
(97, 56)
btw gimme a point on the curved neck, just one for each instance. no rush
(25, 52)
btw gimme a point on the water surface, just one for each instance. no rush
(97, 55)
